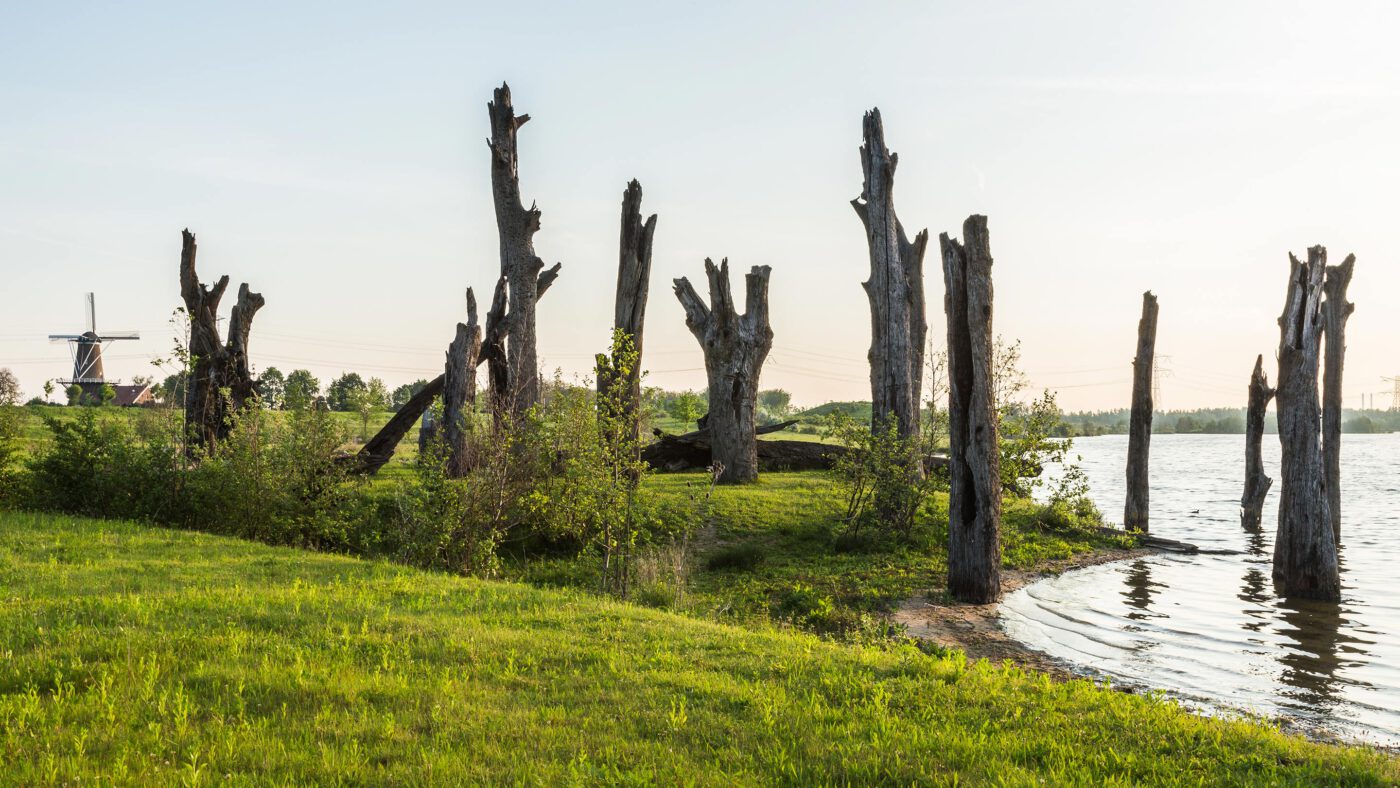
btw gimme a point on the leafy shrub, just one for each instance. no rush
(743, 556)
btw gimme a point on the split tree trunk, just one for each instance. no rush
(898, 325)
(974, 499)
(735, 347)
(1305, 552)
(1335, 312)
(619, 380)
(520, 267)
(459, 392)
(220, 379)
(1140, 423)
(1256, 483)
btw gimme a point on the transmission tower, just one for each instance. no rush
(1394, 392)
(1159, 371)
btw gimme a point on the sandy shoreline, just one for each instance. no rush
(975, 629)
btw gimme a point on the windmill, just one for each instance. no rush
(87, 352)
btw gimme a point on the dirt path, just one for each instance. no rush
(975, 629)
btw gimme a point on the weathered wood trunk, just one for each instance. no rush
(898, 325)
(1305, 552)
(735, 347)
(1140, 423)
(1335, 312)
(221, 381)
(520, 267)
(1256, 482)
(974, 500)
(459, 393)
(620, 381)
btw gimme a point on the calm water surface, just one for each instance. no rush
(1208, 629)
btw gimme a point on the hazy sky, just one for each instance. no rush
(332, 155)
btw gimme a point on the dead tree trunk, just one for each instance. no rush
(220, 379)
(898, 325)
(1140, 423)
(619, 379)
(1305, 552)
(735, 347)
(520, 267)
(1335, 311)
(459, 392)
(974, 499)
(1256, 483)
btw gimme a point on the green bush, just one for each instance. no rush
(743, 556)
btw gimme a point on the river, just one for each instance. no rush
(1208, 629)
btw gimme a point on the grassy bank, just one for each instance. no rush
(140, 654)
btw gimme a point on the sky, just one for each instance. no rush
(333, 156)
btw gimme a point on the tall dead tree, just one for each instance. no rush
(974, 499)
(898, 325)
(619, 379)
(1335, 312)
(735, 347)
(1305, 552)
(1140, 423)
(459, 392)
(521, 269)
(1256, 482)
(220, 379)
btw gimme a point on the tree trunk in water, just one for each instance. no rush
(220, 380)
(520, 267)
(1256, 483)
(974, 499)
(1335, 311)
(459, 392)
(1140, 423)
(619, 383)
(1305, 552)
(898, 325)
(735, 347)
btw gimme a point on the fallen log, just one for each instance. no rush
(692, 451)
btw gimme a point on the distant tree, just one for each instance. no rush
(141, 380)
(108, 394)
(75, 394)
(272, 388)
(404, 393)
(301, 390)
(9, 388)
(171, 391)
(365, 401)
(48, 390)
(341, 392)
(774, 404)
(687, 406)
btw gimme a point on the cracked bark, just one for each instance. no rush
(1135, 510)
(1335, 312)
(1256, 482)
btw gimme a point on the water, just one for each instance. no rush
(1208, 629)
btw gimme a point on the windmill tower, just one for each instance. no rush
(87, 352)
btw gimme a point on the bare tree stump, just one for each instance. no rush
(898, 325)
(1305, 552)
(1335, 312)
(520, 267)
(619, 383)
(974, 499)
(220, 382)
(1135, 514)
(735, 347)
(459, 392)
(1256, 482)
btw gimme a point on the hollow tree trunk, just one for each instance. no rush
(1140, 423)
(459, 392)
(974, 499)
(1256, 483)
(221, 381)
(898, 325)
(735, 347)
(1335, 311)
(520, 267)
(619, 381)
(1305, 552)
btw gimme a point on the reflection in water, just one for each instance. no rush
(1140, 591)
(1312, 633)
(1172, 622)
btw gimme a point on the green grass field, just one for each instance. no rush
(135, 654)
